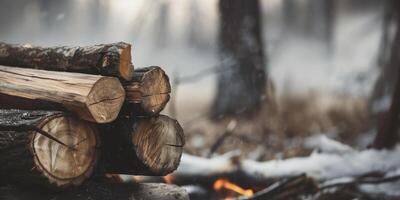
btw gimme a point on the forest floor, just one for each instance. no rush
(292, 129)
(280, 128)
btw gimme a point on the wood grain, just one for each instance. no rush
(146, 146)
(48, 148)
(149, 91)
(93, 98)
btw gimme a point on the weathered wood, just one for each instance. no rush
(148, 92)
(104, 59)
(93, 98)
(101, 190)
(152, 146)
(48, 148)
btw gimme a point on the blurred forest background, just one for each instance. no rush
(300, 67)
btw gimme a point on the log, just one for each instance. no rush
(100, 190)
(148, 91)
(46, 148)
(152, 146)
(104, 59)
(93, 98)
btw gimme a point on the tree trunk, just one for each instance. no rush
(323, 20)
(93, 98)
(242, 81)
(101, 190)
(387, 136)
(46, 148)
(150, 146)
(388, 63)
(148, 92)
(104, 59)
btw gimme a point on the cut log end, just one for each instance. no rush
(91, 97)
(159, 143)
(105, 100)
(150, 88)
(71, 162)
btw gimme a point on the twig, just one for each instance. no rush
(228, 131)
(282, 189)
(199, 75)
(362, 181)
(174, 95)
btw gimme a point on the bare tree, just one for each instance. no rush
(242, 81)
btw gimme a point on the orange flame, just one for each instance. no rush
(168, 179)
(223, 183)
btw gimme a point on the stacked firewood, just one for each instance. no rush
(71, 115)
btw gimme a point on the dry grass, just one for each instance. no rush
(278, 130)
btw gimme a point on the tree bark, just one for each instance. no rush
(46, 148)
(242, 81)
(387, 136)
(148, 92)
(388, 54)
(104, 59)
(93, 98)
(149, 146)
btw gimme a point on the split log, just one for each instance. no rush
(93, 98)
(152, 146)
(100, 191)
(148, 91)
(47, 148)
(104, 59)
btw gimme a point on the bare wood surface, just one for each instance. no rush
(150, 146)
(149, 91)
(103, 59)
(99, 190)
(48, 148)
(93, 98)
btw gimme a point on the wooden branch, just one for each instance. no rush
(104, 59)
(360, 181)
(100, 190)
(228, 131)
(148, 91)
(285, 189)
(93, 98)
(48, 148)
(152, 146)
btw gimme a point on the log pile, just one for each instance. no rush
(71, 115)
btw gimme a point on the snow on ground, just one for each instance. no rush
(323, 144)
(319, 165)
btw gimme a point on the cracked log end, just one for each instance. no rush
(158, 142)
(50, 149)
(70, 164)
(150, 89)
(105, 100)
